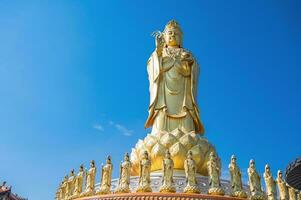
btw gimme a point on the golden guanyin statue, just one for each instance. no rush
(90, 180)
(173, 111)
(282, 188)
(270, 183)
(167, 182)
(214, 171)
(236, 182)
(254, 183)
(144, 175)
(78, 183)
(125, 175)
(190, 173)
(106, 176)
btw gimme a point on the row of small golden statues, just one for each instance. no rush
(72, 187)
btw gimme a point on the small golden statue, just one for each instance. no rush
(63, 188)
(125, 174)
(144, 176)
(254, 182)
(214, 171)
(270, 184)
(283, 193)
(236, 183)
(299, 195)
(70, 185)
(106, 176)
(167, 182)
(291, 193)
(90, 180)
(190, 172)
(78, 183)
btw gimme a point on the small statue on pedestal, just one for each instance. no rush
(125, 175)
(190, 172)
(167, 182)
(270, 184)
(144, 175)
(236, 183)
(63, 188)
(254, 182)
(90, 180)
(291, 193)
(70, 185)
(106, 175)
(78, 183)
(283, 192)
(214, 176)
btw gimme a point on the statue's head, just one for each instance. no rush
(66, 178)
(173, 34)
(167, 154)
(81, 168)
(252, 163)
(126, 157)
(279, 173)
(109, 160)
(189, 155)
(233, 159)
(72, 172)
(145, 155)
(212, 155)
(267, 168)
(92, 163)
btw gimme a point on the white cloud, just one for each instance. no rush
(121, 128)
(98, 127)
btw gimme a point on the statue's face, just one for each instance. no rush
(233, 160)
(172, 37)
(126, 158)
(280, 175)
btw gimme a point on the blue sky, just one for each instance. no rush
(73, 82)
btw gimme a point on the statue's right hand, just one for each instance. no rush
(159, 39)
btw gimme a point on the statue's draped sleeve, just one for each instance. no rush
(153, 69)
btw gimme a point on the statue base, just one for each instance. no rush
(178, 142)
(158, 196)
(216, 191)
(258, 196)
(240, 194)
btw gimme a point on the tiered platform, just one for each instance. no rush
(158, 196)
(156, 180)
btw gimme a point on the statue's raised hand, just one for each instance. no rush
(159, 38)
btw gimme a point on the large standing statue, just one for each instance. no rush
(90, 180)
(106, 176)
(270, 184)
(254, 182)
(190, 172)
(283, 192)
(173, 111)
(167, 182)
(144, 176)
(214, 176)
(125, 174)
(173, 75)
(236, 183)
(78, 183)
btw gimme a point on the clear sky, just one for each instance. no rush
(74, 87)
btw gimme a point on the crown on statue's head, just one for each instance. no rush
(173, 24)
